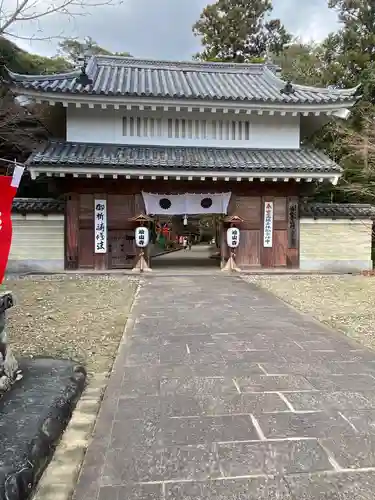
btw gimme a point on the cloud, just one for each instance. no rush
(311, 20)
(159, 29)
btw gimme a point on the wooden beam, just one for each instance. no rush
(71, 231)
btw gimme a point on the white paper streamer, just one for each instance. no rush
(17, 175)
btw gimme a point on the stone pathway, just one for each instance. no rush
(223, 392)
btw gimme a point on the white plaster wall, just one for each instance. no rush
(106, 126)
(335, 245)
(37, 243)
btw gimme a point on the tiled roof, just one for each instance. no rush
(121, 76)
(184, 158)
(310, 210)
(337, 210)
(37, 205)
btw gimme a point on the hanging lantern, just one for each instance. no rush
(233, 237)
(185, 220)
(142, 236)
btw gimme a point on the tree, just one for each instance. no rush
(73, 49)
(301, 63)
(357, 155)
(20, 129)
(347, 59)
(352, 48)
(20, 61)
(23, 129)
(15, 12)
(240, 31)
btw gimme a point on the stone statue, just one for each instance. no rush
(8, 364)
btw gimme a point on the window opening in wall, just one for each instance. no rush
(196, 135)
(177, 129)
(181, 128)
(152, 127)
(170, 128)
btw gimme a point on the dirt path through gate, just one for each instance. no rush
(198, 257)
(221, 391)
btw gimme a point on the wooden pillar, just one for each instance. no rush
(223, 244)
(249, 209)
(139, 208)
(293, 233)
(71, 231)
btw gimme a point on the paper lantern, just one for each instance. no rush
(233, 237)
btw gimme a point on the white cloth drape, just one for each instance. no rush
(188, 203)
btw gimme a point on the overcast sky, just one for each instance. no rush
(161, 28)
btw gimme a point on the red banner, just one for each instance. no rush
(8, 190)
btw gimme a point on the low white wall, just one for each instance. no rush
(336, 245)
(37, 244)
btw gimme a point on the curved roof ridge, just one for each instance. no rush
(29, 198)
(324, 204)
(272, 77)
(234, 82)
(317, 210)
(182, 65)
(52, 76)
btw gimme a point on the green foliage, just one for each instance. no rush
(239, 30)
(344, 59)
(20, 61)
(351, 49)
(349, 57)
(304, 63)
(73, 49)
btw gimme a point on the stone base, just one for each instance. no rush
(35, 266)
(340, 266)
(45, 398)
(141, 266)
(230, 266)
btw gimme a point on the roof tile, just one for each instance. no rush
(184, 158)
(338, 210)
(121, 76)
(308, 210)
(37, 205)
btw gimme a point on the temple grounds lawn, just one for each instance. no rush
(346, 303)
(79, 318)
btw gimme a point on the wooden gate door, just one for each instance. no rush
(121, 252)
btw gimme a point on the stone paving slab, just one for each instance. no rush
(221, 391)
(340, 486)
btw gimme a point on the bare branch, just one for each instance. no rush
(21, 11)
(34, 38)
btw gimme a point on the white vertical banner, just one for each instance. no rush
(100, 226)
(268, 224)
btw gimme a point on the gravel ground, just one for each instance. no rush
(346, 303)
(76, 317)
